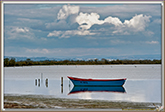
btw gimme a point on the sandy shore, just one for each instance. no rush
(35, 101)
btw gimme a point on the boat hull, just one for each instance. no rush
(97, 82)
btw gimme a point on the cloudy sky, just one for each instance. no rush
(75, 30)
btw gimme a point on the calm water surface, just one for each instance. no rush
(143, 82)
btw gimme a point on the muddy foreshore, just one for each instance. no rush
(39, 102)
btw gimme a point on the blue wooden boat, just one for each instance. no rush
(97, 81)
(83, 89)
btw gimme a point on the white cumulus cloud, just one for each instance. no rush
(69, 33)
(19, 30)
(138, 22)
(67, 10)
(54, 33)
(113, 20)
(152, 42)
(42, 51)
(18, 33)
(85, 21)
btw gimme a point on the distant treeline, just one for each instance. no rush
(28, 62)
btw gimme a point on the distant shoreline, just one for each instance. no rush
(28, 62)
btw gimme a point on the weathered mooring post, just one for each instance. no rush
(38, 82)
(61, 84)
(46, 82)
(41, 77)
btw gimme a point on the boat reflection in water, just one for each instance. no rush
(80, 89)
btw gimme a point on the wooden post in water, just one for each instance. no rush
(61, 84)
(46, 82)
(38, 82)
(41, 77)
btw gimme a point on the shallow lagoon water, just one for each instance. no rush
(143, 82)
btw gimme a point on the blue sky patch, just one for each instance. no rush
(75, 30)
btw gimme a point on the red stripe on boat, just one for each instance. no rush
(80, 79)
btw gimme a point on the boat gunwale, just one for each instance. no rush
(90, 79)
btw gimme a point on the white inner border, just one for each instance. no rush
(2, 56)
(162, 54)
(78, 2)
